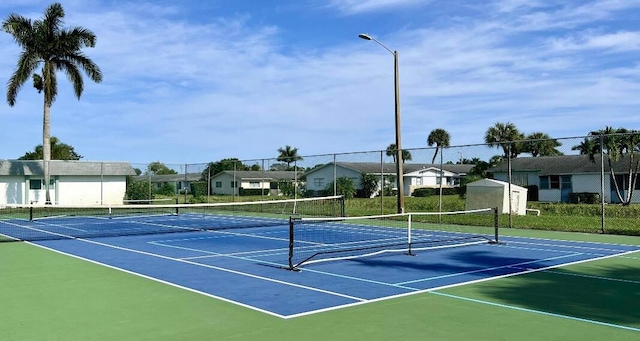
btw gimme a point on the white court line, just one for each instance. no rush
(608, 279)
(487, 269)
(563, 246)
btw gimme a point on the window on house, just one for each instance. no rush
(566, 181)
(254, 184)
(234, 184)
(520, 179)
(35, 184)
(555, 181)
(318, 182)
(218, 184)
(544, 182)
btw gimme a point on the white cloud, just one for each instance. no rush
(618, 41)
(363, 6)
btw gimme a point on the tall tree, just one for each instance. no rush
(229, 164)
(440, 138)
(288, 155)
(47, 44)
(541, 144)
(159, 168)
(391, 151)
(505, 136)
(59, 151)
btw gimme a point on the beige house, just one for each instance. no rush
(233, 183)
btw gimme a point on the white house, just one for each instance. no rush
(71, 183)
(434, 177)
(234, 182)
(416, 175)
(556, 178)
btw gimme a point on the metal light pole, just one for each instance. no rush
(399, 160)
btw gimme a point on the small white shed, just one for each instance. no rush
(487, 193)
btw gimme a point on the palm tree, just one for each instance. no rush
(440, 138)
(46, 43)
(59, 151)
(288, 155)
(541, 144)
(391, 151)
(504, 135)
(616, 144)
(588, 146)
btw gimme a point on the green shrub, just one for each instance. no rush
(166, 189)
(423, 192)
(585, 197)
(137, 190)
(199, 188)
(253, 191)
(427, 192)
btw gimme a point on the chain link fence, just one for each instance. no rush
(587, 183)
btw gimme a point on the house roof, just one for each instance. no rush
(557, 165)
(169, 177)
(390, 168)
(63, 167)
(260, 175)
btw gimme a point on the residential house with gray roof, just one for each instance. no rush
(556, 177)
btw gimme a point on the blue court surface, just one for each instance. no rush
(245, 265)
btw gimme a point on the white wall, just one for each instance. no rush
(12, 190)
(90, 190)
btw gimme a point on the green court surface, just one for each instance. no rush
(49, 296)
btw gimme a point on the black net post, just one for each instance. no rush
(496, 219)
(291, 242)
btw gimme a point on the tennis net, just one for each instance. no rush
(318, 239)
(46, 222)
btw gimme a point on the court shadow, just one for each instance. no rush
(610, 295)
(454, 261)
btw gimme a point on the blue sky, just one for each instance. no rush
(199, 81)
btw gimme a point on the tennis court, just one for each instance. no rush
(245, 259)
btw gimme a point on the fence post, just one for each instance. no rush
(602, 186)
(509, 184)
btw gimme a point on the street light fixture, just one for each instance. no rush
(399, 160)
